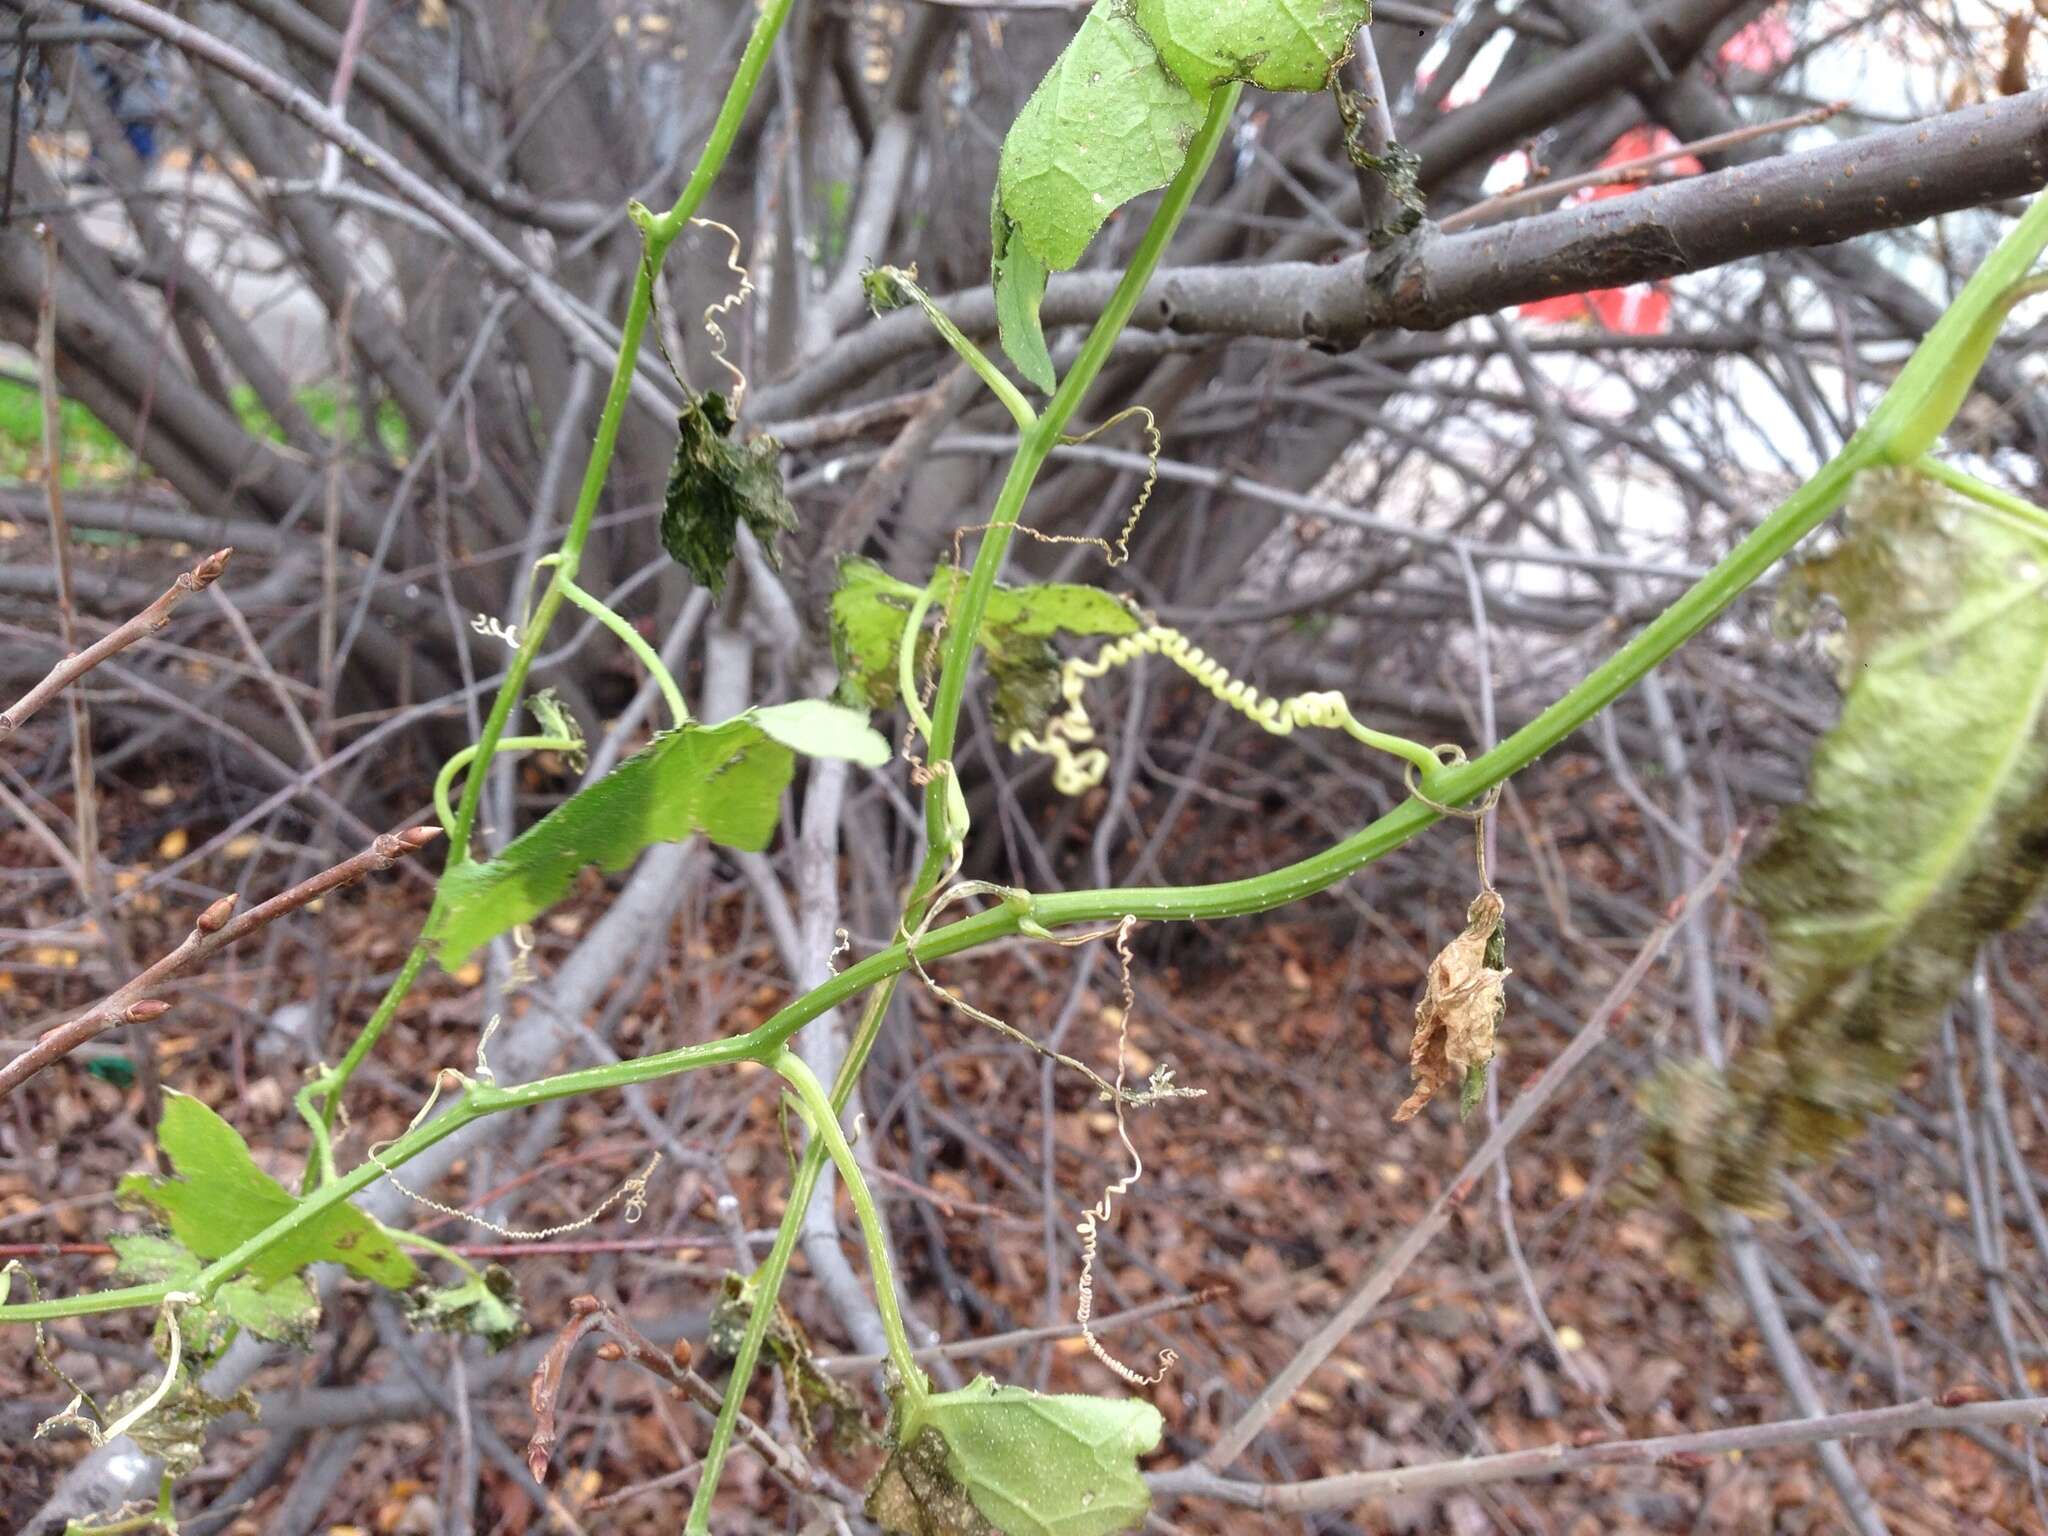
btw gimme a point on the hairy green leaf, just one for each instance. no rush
(220, 1199)
(725, 781)
(870, 608)
(485, 1304)
(1107, 123)
(1276, 45)
(1029, 1464)
(716, 484)
(1924, 832)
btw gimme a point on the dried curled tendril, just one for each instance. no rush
(1079, 766)
(70, 1416)
(1101, 1211)
(1160, 1086)
(1114, 552)
(632, 1191)
(732, 301)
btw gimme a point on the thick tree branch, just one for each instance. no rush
(462, 227)
(1880, 181)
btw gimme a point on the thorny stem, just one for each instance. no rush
(659, 232)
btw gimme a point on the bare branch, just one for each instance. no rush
(1348, 1489)
(1965, 159)
(216, 929)
(147, 622)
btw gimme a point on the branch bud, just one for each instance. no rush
(146, 1010)
(215, 917)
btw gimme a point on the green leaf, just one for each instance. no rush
(1057, 608)
(870, 608)
(220, 1199)
(485, 1304)
(1277, 45)
(1106, 124)
(1922, 834)
(1029, 1465)
(1113, 119)
(714, 485)
(818, 728)
(725, 781)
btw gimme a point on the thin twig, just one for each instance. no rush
(1349, 1489)
(835, 1365)
(216, 929)
(1632, 170)
(147, 622)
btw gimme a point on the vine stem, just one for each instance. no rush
(1913, 412)
(658, 232)
(824, 1124)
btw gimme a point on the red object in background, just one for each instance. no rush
(1641, 309)
(1763, 45)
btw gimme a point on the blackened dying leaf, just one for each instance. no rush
(791, 1348)
(174, 1431)
(1461, 1007)
(486, 1304)
(1398, 167)
(915, 1495)
(1923, 833)
(715, 485)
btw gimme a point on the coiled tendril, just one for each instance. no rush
(1079, 766)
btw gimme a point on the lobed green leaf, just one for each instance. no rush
(871, 607)
(220, 1199)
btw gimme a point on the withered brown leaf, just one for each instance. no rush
(1460, 1009)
